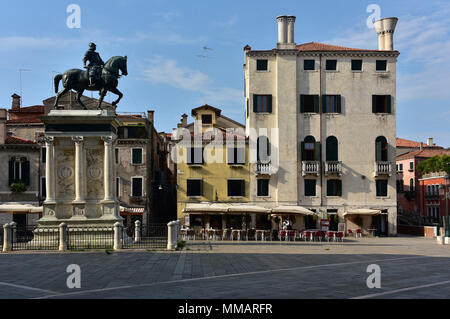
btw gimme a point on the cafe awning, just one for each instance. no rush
(291, 210)
(248, 209)
(363, 211)
(20, 208)
(205, 208)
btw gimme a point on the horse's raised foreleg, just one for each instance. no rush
(117, 92)
(102, 96)
(79, 95)
(58, 95)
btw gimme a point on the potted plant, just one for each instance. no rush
(18, 187)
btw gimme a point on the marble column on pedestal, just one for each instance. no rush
(108, 168)
(49, 169)
(79, 172)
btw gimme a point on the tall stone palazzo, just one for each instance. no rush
(80, 169)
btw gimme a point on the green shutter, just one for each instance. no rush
(302, 103)
(26, 172)
(339, 104)
(317, 150)
(255, 103)
(388, 103)
(11, 172)
(374, 104)
(316, 104)
(269, 103)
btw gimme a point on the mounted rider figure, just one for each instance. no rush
(95, 64)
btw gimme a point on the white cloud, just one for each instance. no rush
(424, 44)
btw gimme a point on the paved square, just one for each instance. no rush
(410, 268)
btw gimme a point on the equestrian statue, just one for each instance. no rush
(99, 76)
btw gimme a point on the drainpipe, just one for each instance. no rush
(320, 129)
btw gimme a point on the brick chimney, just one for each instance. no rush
(3, 113)
(151, 116)
(430, 141)
(15, 101)
(184, 120)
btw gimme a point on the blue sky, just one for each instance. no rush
(163, 39)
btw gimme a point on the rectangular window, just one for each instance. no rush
(309, 65)
(261, 65)
(206, 119)
(137, 184)
(331, 65)
(194, 188)
(236, 187)
(331, 104)
(263, 188)
(117, 186)
(401, 167)
(137, 156)
(262, 103)
(195, 156)
(43, 155)
(411, 166)
(334, 187)
(381, 65)
(381, 103)
(309, 103)
(19, 170)
(356, 65)
(310, 187)
(236, 156)
(382, 188)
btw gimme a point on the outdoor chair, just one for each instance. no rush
(226, 234)
(300, 234)
(183, 233)
(211, 234)
(330, 235)
(244, 234)
(219, 234)
(191, 234)
(282, 234)
(317, 235)
(235, 234)
(267, 235)
(358, 233)
(350, 232)
(340, 236)
(203, 233)
(251, 234)
(291, 234)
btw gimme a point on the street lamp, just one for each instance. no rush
(444, 191)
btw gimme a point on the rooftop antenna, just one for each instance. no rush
(204, 57)
(20, 83)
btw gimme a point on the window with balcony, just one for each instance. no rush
(381, 103)
(331, 103)
(261, 65)
(357, 65)
(263, 149)
(310, 187)
(19, 170)
(262, 103)
(334, 187)
(194, 188)
(332, 149)
(137, 186)
(381, 149)
(309, 65)
(263, 188)
(309, 103)
(382, 188)
(236, 188)
(310, 149)
(195, 156)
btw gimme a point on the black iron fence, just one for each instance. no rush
(81, 238)
(153, 236)
(34, 238)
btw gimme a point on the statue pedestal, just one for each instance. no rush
(80, 174)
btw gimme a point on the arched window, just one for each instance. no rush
(381, 149)
(332, 149)
(310, 149)
(263, 149)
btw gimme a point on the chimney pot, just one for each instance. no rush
(430, 141)
(385, 29)
(15, 101)
(151, 116)
(184, 120)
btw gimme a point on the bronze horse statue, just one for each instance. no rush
(78, 80)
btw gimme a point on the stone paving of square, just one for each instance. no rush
(411, 267)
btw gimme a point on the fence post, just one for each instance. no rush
(14, 232)
(6, 238)
(63, 237)
(117, 235)
(171, 236)
(137, 231)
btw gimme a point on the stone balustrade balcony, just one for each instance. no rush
(383, 168)
(333, 168)
(264, 169)
(310, 167)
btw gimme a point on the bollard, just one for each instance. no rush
(6, 238)
(14, 232)
(117, 235)
(171, 236)
(137, 231)
(63, 237)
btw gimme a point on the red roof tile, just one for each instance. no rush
(315, 46)
(29, 109)
(401, 142)
(425, 153)
(17, 140)
(24, 121)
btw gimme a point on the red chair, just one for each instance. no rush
(350, 232)
(307, 235)
(340, 236)
(291, 234)
(330, 235)
(358, 233)
(282, 234)
(318, 235)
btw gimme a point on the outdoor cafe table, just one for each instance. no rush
(372, 232)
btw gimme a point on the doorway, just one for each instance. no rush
(380, 222)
